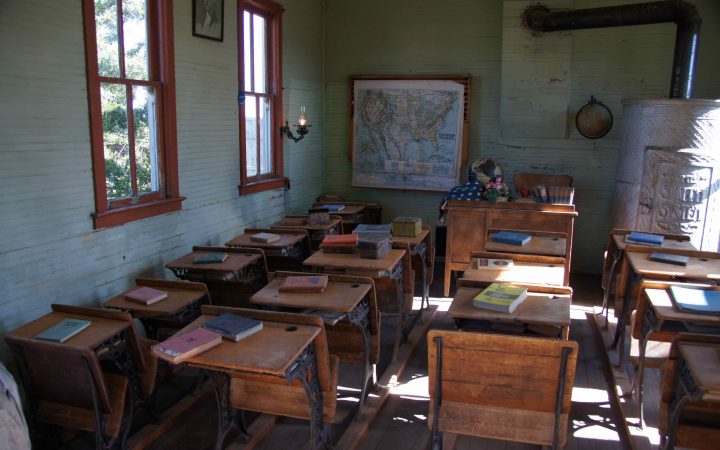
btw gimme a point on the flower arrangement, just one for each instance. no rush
(495, 190)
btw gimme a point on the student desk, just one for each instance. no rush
(546, 310)
(550, 244)
(180, 307)
(347, 299)
(281, 351)
(657, 315)
(287, 253)
(469, 222)
(371, 212)
(390, 269)
(422, 258)
(615, 253)
(317, 232)
(230, 282)
(533, 269)
(352, 214)
(702, 266)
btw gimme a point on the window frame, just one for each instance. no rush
(272, 12)
(160, 42)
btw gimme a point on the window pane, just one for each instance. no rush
(146, 155)
(251, 162)
(259, 54)
(135, 36)
(115, 139)
(247, 52)
(106, 34)
(265, 137)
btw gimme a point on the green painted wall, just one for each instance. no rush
(402, 37)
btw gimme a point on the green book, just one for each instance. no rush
(500, 297)
(210, 258)
(63, 330)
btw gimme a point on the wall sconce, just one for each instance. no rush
(301, 127)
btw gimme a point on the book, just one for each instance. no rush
(145, 295)
(210, 258)
(511, 237)
(339, 240)
(696, 299)
(493, 264)
(63, 330)
(500, 297)
(669, 258)
(407, 226)
(180, 347)
(233, 326)
(364, 228)
(636, 237)
(333, 207)
(265, 237)
(310, 283)
(374, 245)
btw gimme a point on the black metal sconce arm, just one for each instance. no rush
(301, 131)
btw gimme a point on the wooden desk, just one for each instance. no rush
(468, 224)
(352, 214)
(637, 266)
(533, 269)
(391, 271)
(658, 316)
(422, 258)
(180, 307)
(348, 300)
(230, 282)
(615, 253)
(281, 351)
(545, 309)
(317, 232)
(288, 253)
(549, 244)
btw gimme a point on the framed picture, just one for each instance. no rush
(208, 19)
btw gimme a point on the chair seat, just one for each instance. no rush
(84, 419)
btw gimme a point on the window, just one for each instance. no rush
(261, 162)
(131, 92)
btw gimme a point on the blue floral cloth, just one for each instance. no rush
(471, 190)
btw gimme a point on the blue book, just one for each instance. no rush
(669, 258)
(696, 300)
(233, 326)
(363, 228)
(63, 330)
(637, 237)
(511, 237)
(333, 208)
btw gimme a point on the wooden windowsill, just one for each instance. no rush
(264, 185)
(120, 216)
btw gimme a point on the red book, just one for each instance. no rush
(340, 240)
(311, 283)
(178, 348)
(145, 295)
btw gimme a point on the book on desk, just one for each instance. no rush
(146, 295)
(636, 237)
(233, 327)
(210, 258)
(178, 348)
(669, 258)
(265, 237)
(511, 237)
(310, 283)
(500, 297)
(63, 330)
(696, 299)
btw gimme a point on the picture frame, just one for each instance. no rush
(208, 18)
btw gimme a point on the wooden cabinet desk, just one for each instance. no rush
(317, 232)
(469, 222)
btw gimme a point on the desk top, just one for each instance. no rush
(521, 272)
(302, 222)
(696, 267)
(662, 303)
(412, 242)
(620, 243)
(537, 309)
(338, 296)
(354, 261)
(234, 263)
(286, 240)
(270, 351)
(703, 360)
(538, 245)
(100, 330)
(178, 297)
(348, 210)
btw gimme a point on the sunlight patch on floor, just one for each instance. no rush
(415, 389)
(587, 395)
(442, 303)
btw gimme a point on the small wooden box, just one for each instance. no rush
(407, 226)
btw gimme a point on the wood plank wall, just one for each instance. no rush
(48, 249)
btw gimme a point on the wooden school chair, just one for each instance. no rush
(67, 387)
(500, 387)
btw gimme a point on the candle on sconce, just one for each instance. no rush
(302, 121)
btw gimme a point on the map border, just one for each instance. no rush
(423, 82)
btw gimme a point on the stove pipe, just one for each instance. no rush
(682, 13)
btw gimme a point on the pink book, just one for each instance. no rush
(146, 295)
(178, 348)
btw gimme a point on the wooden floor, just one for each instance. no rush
(401, 422)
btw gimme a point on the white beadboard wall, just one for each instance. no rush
(49, 252)
(466, 37)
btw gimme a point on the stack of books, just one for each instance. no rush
(339, 243)
(374, 245)
(500, 297)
